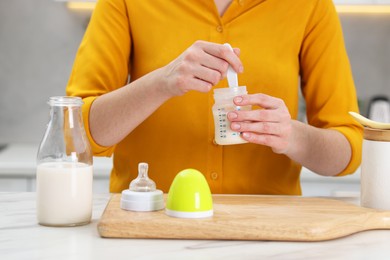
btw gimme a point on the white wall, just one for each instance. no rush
(367, 39)
(38, 41)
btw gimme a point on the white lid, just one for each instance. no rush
(142, 201)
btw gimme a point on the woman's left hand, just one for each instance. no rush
(270, 125)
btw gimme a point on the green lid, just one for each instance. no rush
(189, 192)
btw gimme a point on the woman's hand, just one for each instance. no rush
(270, 125)
(199, 68)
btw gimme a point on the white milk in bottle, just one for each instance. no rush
(64, 193)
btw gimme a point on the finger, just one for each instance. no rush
(215, 63)
(206, 74)
(237, 51)
(223, 52)
(199, 85)
(257, 127)
(258, 115)
(190, 82)
(277, 144)
(263, 100)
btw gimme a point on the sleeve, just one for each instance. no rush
(326, 79)
(102, 61)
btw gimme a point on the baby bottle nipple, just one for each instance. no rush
(142, 182)
(142, 194)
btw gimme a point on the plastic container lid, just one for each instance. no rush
(189, 196)
(142, 201)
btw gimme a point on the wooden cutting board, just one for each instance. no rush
(248, 217)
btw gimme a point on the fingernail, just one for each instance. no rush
(235, 126)
(246, 135)
(238, 99)
(241, 69)
(233, 115)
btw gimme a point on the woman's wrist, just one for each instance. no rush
(324, 151)
(159, 84)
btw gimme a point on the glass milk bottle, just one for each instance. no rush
(64, 167)
(223, 98)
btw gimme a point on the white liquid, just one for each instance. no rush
(64, 194)
(224, 135)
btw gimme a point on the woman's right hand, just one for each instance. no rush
(199, 68)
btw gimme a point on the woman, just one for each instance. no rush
(174, 54)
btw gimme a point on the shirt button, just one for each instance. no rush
(219, 28)
(214, 175)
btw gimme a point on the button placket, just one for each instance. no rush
(214, 151)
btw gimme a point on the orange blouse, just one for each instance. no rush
(285, 45)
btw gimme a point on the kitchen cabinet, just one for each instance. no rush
(18, 165)
(17, 174)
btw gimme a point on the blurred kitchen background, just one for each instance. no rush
(39, 40)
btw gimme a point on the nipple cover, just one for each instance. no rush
(142, 183)
(142, 194)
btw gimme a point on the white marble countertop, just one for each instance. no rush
(22, 238)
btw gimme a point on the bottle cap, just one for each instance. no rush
(142, 201)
